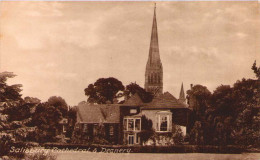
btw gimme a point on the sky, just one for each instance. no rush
(59, 48)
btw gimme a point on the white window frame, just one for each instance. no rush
(159, 121)
(64, 130)
(134, 119)
(131, 135)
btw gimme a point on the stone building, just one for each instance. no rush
(154, 68)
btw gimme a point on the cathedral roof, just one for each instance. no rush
(165, 100)
(101, 113)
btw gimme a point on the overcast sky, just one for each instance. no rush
(58, 48)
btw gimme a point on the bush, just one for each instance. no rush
(5, 144)
(40, 156)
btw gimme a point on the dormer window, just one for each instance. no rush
(133, 111)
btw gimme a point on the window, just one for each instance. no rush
(111, 130)
(137, 124)
(163, 123)
(133, 111)
(130, 139)
(125, 124)
(132, 124)
(64, 128)
(95, 129)
(85, 127)
(136, 138)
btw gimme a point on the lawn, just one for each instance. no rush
(152, 156)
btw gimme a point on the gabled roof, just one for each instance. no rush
(135, 100)
(101, 113)
(165, 100)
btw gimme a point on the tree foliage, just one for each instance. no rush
(147, 129)
(46, 118)
(133, 88)
(232, 116)
(256, 70)
(103, 90)
(59, 103)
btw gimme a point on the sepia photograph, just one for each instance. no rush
(132, 80)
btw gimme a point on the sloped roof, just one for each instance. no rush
(133, 101)
(102, 113)
(165, 100)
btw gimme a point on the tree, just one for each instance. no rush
(198, 99)
(256, 70)
(133, 88)
(222, 100)
(59, 103)
(72, 118)
(103, 90)
(46, 118)
(13, 115)
(147, 129)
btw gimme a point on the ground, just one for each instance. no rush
(141, 156)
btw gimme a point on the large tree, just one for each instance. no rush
(59, 103)
(133, 88)
(103, 90)
(233, 116)
(198, 98)
(46, 117)
(15, 114)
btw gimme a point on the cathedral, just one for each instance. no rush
(124, 123)
(154, 68)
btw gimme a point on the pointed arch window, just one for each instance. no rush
(155, 78)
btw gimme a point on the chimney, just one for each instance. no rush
(191, 85)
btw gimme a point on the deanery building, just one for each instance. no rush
(129, 122)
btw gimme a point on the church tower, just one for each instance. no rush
(154, 69)
(182, 95)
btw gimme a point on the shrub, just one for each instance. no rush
(5, 144)
(41, 156)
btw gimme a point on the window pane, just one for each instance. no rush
(163, 126)
(137, 138)
(133, 111)
(137, 124)
(95, 130)
(85, 127)
(111, 130)
(125, 124)
(130, 139)
(130, 124)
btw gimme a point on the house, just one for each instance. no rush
(122, 123)
(98, 121)
(165, 112)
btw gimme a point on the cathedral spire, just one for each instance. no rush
(154, 56)
(182, 95)
(154, 71)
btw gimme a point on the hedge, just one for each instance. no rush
(153, 149)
